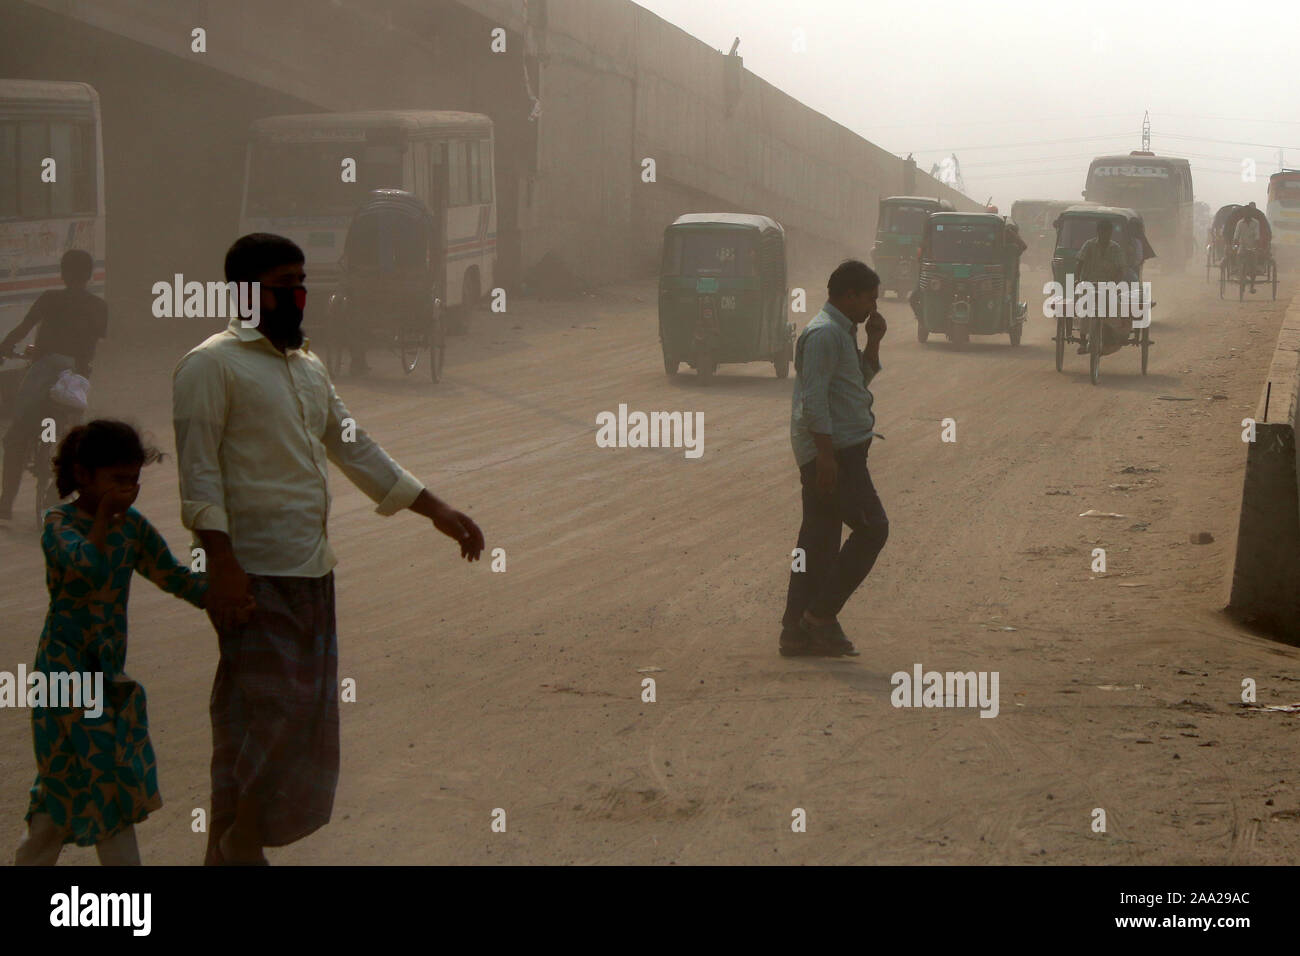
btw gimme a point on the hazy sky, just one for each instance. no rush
(1026, 92)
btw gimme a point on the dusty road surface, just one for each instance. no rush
(522, 690)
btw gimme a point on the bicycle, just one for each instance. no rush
(54, 421)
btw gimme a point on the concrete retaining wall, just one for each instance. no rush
(1266, 573)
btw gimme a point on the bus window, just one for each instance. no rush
(437, 175)
(84, 191)
(475, 162)
(485, 171)
(457, 174)
(8, 170)
(61, 190)
(33, 146)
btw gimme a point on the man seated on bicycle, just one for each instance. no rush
(68, 323)
(1100, 260)
(1246, 236)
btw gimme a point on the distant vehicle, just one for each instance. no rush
(1216, 243)
(1247, 267)
(1157, 187)
(388, 292)
(1035, 218)
(898, 236)
(1284, 213)
(300, 183)
(722, 293)
(41, 220)
(1075, 226)
(970, 278)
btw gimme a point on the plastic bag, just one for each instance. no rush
(71, 390)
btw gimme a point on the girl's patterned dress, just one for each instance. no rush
(97, 776)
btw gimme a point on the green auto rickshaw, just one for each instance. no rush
(969, 282)
(898, 236)
(722, 293)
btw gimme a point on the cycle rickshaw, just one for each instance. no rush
(388, 294)
(1245, 269)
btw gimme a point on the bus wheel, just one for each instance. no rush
(460, 317)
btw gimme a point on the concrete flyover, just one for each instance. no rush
(1266, 572)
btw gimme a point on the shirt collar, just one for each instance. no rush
(251, 335)
(838, 317)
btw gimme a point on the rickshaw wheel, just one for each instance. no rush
(437, 349)
(1272, 274)
(1241, 284)
(922, 333)
(1146, 347)
(671, 365)
(334, 324)
(1094, 351)
(1223, 277)
(408, 349)
(1060, 343)
(781, 363)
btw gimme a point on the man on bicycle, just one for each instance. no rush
(1100, 260)
(68, 323)
(1246, 236)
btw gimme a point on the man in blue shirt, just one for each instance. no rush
(831, 427)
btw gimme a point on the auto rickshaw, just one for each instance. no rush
(722, 294)
(1035, 218)
(388, 294)
(899, 225)
(969, 281)
(1103, 333)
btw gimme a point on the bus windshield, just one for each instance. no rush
(1132, 186)
(904, 220)
(303, 179)
(964, 242)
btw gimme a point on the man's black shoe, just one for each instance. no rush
(795, 643)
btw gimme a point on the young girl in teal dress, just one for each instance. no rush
(96, 775)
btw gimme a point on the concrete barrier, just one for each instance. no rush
(1266, 572)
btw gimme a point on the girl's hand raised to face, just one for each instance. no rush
(115, 501)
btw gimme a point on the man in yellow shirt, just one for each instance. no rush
(257, 419)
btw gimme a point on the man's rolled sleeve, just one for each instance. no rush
(366, 464)
(199, 402)
(815, 378)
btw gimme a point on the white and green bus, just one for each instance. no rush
(51, 188)
(299, 183)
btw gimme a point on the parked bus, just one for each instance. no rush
(47, 208)
(1159, 188)
(298, 183)
(1283, 213)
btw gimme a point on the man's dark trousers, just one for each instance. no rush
(833, 573)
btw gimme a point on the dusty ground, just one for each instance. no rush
(521, 691)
